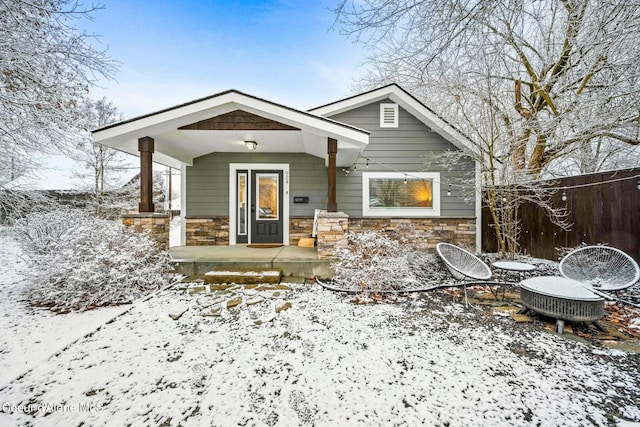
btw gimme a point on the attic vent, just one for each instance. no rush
(388, 115)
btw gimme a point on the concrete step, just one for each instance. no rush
(244, 277)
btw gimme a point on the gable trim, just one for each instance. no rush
(407, 101)
(165, 127)
(234, 95)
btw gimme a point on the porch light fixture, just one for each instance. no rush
(564, 196)
(251, 145)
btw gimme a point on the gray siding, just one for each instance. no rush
(406, 149)
(208, 181)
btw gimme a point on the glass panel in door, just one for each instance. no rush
(267, 196)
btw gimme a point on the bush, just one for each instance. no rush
(373, 261)
(79, 262)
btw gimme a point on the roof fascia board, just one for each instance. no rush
(163, 121)
(354, 102)
(188, 113)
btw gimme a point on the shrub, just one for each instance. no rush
(375, 261)
(79, 262)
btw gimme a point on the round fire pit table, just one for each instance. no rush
(562, 299)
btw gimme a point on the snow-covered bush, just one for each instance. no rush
(375, 261)
(15, 204)
(79, 262)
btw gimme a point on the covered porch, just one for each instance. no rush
(226, 147)
(293, 261)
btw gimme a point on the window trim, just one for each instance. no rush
(401, 212)
(393, 124)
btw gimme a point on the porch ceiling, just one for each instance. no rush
(176, 147)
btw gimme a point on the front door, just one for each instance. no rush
(266, 213)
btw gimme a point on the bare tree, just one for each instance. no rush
(102, 164)
(543, 88)
(46, 69)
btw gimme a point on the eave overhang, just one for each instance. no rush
(303, 132)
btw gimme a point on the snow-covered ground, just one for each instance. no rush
(324, 361)
(28, 337)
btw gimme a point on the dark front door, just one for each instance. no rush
(266, 206)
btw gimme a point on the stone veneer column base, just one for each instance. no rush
(332, 226)
(157, 224)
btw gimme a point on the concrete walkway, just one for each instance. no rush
(291, 260)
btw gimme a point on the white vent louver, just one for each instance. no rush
(388, 115)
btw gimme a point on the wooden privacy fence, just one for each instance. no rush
(603, 208)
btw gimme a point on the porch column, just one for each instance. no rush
(332, 149)
(145, 146)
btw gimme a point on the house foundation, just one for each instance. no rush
(332, 226)
(156, 224)
(214, 231)
(300, 228)
(207, 231)
(429, 231)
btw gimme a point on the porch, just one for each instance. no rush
(293, 261)
(235, 153)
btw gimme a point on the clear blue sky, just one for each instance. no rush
(175, 51)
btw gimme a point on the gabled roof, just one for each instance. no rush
(407, 101)
(178, 140)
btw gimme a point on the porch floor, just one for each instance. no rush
(294, 261)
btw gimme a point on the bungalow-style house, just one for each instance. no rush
(254, 171)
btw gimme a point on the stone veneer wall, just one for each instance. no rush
(157, 225)
(299, 227)
(202, 231)
(332, 226)
(215, 230)
(459, 231)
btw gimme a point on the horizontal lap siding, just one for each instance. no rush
(407, 149)
(207, 187)
(308, 179)
(208, 181)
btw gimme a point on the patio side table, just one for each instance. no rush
(507, 268)
(562, 299)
